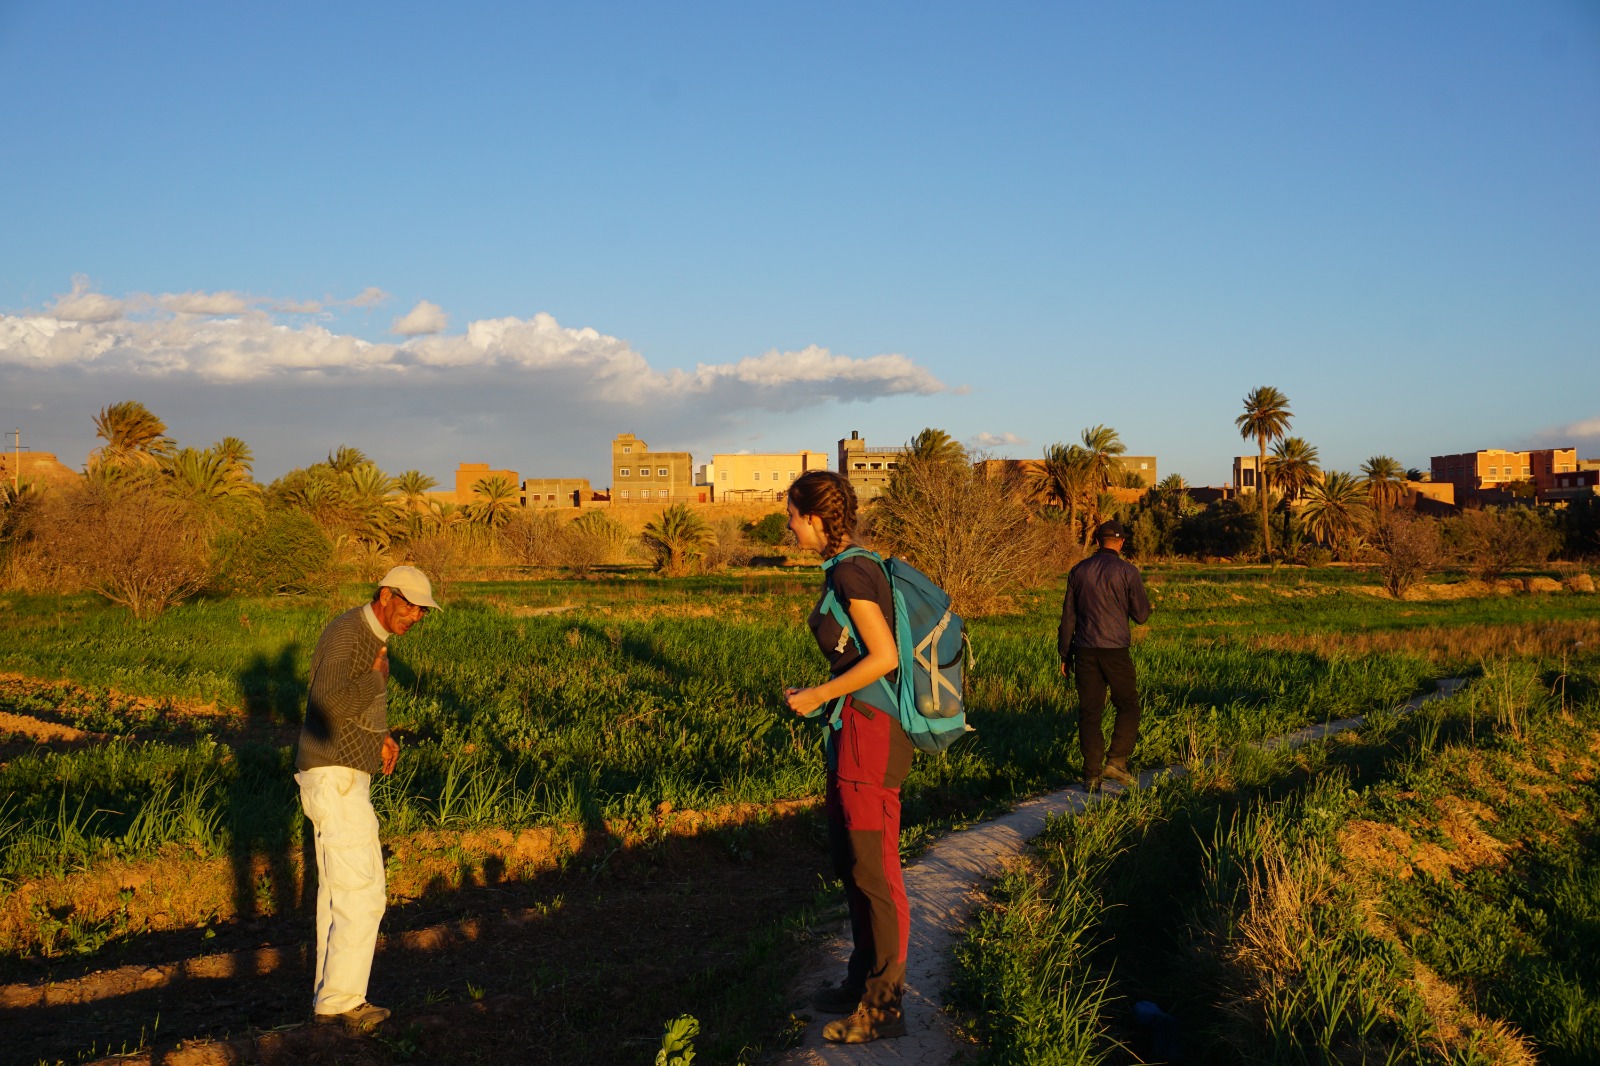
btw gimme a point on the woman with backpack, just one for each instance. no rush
(868, 755)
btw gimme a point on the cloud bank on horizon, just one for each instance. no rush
(227, 338)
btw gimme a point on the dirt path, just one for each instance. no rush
(946, 884)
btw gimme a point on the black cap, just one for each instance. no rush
(1112, 530)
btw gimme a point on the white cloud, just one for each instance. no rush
(580, 366)
(422, 320)
(205, 303)
(995, 440)
(371, 296)
(298, 307)
(1583, 434)
(82, 305)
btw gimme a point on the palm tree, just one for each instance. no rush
(1061, 480)
(1335, 509)
(373, 517)
(1171, 494)
(678, 536)
(345, 459)
(1101, 446)
(1385, 481)
(133, 435)
(935, 445)
(1293, 466)
(494, 498)
(204, 482)
(1266, 418)
(1416, 474)
(413, 486)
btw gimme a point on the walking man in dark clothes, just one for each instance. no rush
(1103, 593)
(344, 741)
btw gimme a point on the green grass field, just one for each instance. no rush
(593, 703)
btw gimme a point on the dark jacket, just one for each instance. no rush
(1103, 593)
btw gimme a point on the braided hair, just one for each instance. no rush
(828, 496)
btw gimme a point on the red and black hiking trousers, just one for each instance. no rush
(868, 757)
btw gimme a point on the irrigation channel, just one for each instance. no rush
(944, 885)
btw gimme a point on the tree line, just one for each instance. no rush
(150, 523)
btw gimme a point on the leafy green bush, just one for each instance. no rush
(286, 552)
(769, 529)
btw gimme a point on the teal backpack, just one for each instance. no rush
(930, 694)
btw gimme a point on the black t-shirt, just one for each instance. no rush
(855, 578)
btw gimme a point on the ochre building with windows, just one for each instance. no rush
(1495, 468)
(641, 475)
(469, 474)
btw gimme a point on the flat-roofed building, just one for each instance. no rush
(37, 468)
(1245, 473)
(468, 475)
(556, 492)
(868, 469)
(1495, 468)
(639, 475)
(1574, 484)
(757, 476)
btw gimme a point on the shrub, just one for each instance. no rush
(285, 551)
(593, 539)
(532, 538)
(770, 529)
(132, 547)
(1493, 540)
(730, 547)
(1408, 549)
(961, 529)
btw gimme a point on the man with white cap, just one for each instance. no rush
(344, 741)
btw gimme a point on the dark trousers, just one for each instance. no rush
(864, 838)
(1095, 671)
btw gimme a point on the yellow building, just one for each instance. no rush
(556, 492)
(757, 476)
(638, 474)
(469, 474)
(19, 468)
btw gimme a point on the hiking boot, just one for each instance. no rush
(836, 999)
(362, 1019)
(866, 1025)
(1091, 784)
(1119, 774)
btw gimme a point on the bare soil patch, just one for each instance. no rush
(605, 936)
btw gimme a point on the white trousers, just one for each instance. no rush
(350, 883)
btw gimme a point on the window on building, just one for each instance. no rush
(723, 476)
(1144, 466)
(627, 449)
(550, 496)
(1525, 471)
(662, 472)
(775, 476)
(645, 494)
(791, 475)
(755, 475)
(623, 472)
(624, 494)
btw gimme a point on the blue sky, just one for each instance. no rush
(504, 233)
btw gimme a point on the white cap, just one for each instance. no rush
(413, 585)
